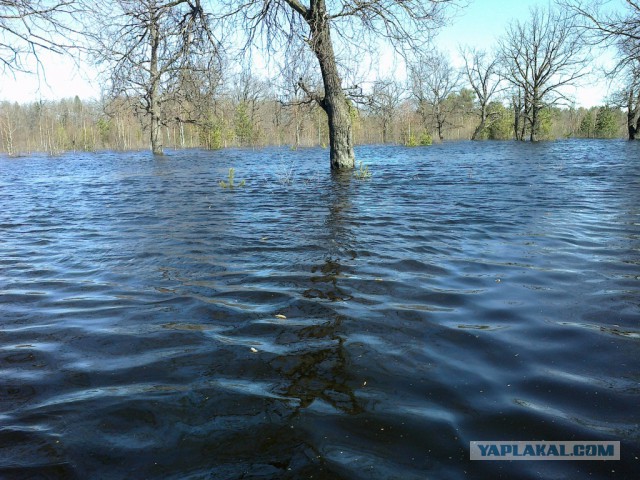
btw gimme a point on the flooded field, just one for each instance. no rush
(154, 325)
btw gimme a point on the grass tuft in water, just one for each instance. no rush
(363, 172)
(229, 183)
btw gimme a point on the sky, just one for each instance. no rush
(482, 22)
(479, 24)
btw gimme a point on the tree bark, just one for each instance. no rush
(334, 102)
(525, 113)
(535, 110)
(533, 135)
(439, 122)
(632, 110)
(481, 125)
(154, 77)
(516, 116)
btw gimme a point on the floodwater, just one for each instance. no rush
(466, 291)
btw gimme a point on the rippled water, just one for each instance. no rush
(465, 292)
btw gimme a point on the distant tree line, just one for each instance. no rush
(171, 81)
(261, 119)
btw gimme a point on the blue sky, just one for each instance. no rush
(483, 21)
(479, 24)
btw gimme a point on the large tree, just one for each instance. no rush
(609, 24)
(433, 79)
(618, 28)
(628, 97)
(352, 25)
(482, 71)
(385, 98)
(29, 27)
(149, 48)
(298, 70)
(541, 56)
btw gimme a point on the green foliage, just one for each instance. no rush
(62, 139)
(244, 128)
(461, 102)
(104, 130)
(606, 124)
(424, 140)
(500, 125)
(353, 112)
(545, 118)
(587, 125)
(212, 134)
(363, 172)
(229, 183)
(411, 141)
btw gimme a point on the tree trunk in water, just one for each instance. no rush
(335, 101)
(154, 80)
(632, 111)
(156, 132)
(483, 121)
(340, 128)
(533, 135)
(535, 110)
(439, 122)
(516, 117)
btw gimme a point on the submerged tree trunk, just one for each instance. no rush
(525, 116)
(385, 130)
(535, 117)
(153, 101)
(533, 135)
(156, 124)
(335, 101)
(483, 121)
(439, 122)
(633, 123)
(516, 116)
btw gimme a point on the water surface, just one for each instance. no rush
(467, 291)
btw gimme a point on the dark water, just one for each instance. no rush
(465, 292)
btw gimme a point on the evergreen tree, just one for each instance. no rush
(606, 125)
(243, 125)
(587, 125)
(501, 125)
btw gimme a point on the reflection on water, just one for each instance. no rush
(326, 282)
(153, 325)
(320, 374)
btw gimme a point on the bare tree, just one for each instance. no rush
(520, 107)
(351, 24)
(628, 98)
(541, 56)
(248, 93)
(29, 27)
(433, 79)
(482, 71)
(618, 28)
(298, 70)
(610, 26)
(146, 46)
(633, 110)
(385, 98)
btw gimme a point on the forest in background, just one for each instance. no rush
(172, 79)
(254, 117)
